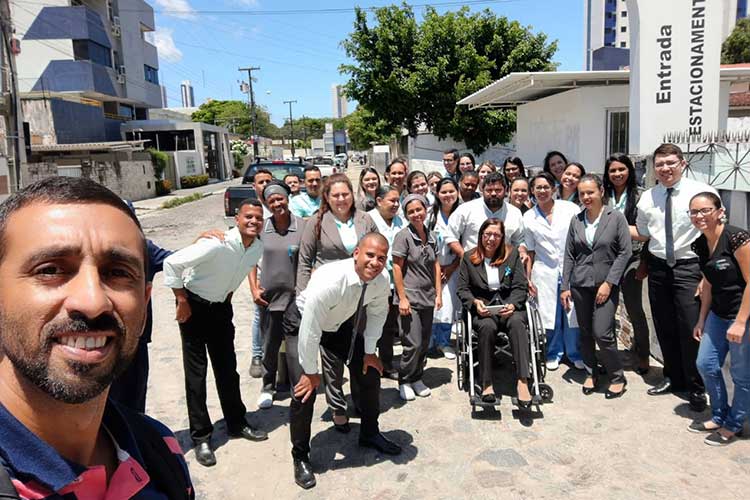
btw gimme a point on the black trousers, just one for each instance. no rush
(416, 330)
(632, 295)
(675, 308)
(367, 399)
(130, 388)
(272, 329)
(390, 331)
(210, 328)
(487, 330)
(597, 325)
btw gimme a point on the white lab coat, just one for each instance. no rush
(547, 241)
(446, 256)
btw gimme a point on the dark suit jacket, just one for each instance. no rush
(472, 282)
(314, 252)
(586, 266)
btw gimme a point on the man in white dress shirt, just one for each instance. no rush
(330, 306)
(464, 223)
(203, 278)
(673, 271)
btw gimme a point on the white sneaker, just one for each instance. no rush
(553, 364)
(406, 392)
(447, 351)
(265, 400)
(579, 365)
(420, 389)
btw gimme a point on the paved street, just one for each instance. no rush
(580, 447)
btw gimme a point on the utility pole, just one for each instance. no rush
(304, 133)
(251, 98)
(291, 122)
(12, 104)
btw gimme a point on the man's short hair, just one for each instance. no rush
(63, 191)
(373, 235)
(310, 168)
(290, 175)
(253, 202)
(453, 152)
(668, 149)
(494, 178)
(262, 171)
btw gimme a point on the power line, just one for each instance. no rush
(291, 12)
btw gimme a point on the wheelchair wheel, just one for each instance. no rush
(461, 374)
(546, 392)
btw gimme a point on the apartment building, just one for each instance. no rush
(607, 31)
(85, 67)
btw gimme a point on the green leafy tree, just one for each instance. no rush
(406, 73)
(235, 116)
(736, 48)
(364, 128)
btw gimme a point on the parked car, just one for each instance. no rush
(341, 160)
(234, 195)
(327, 166)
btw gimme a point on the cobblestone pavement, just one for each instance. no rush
(578, 447)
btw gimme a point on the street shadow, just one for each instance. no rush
(526, 417)
(330, 450)
(266, 420)
(435, 377)
(487, 414)
(574, 376)
(683, 410)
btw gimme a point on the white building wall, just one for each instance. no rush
(36, 54)
(573, 122)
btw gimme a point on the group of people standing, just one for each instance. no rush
(341, 275)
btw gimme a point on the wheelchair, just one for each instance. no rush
(467, 354)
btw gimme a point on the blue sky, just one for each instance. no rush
(205, 41)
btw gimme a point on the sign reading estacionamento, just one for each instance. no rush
(674, 68)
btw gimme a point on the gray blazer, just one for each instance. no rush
(586, 266)
(314, 252)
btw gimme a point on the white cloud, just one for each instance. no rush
(164, 42)
(176, 8)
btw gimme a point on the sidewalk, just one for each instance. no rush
(145, 206)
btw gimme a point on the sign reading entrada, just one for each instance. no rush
(697, 60)
(674, 68)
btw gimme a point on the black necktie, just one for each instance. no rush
(668, 229)
(355, 327)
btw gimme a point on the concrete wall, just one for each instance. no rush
(132, 179)
(186, 163)
(136, 15)
(574, 122)
(428, 148)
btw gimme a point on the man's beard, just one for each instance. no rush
(494, 204)
(35, 366)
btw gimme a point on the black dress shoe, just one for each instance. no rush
(663, 387)
(588, 391)
(642, 370)
(204, 455)
(698, 401)
(614, 395)
(489, 398)
(303, 474)
(250, 434)
(381, 443)
(256, 367)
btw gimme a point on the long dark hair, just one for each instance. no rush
(631, 188)
(365, 171)
(413, 175)
(477, 255)
(324, 205)
(549, 156)
(438, 205)
(560, 187)
(515, 160)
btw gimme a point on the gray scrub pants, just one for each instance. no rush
(632, 295)
(416, 330)
(597, 324)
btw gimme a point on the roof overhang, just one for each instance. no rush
(520, 88)
(112, 146)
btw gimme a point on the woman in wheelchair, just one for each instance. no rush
(492, 286)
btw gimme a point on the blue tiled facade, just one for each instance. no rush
(76, 123)
(76, 76)
(68, 23)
